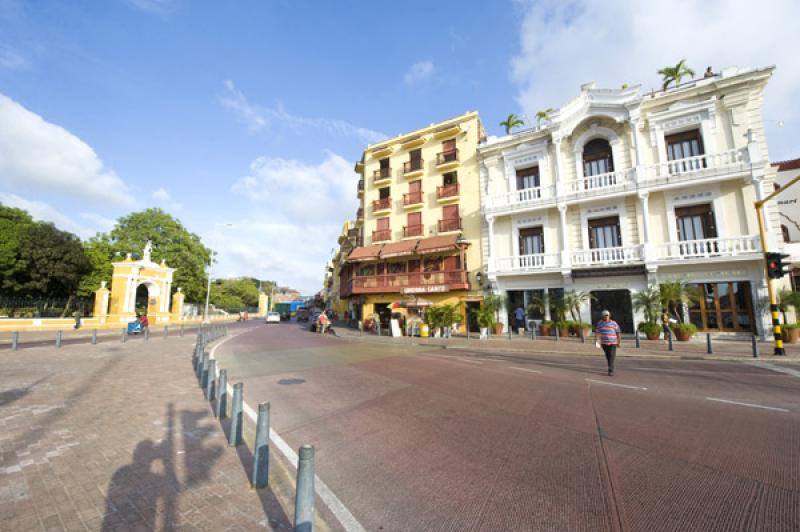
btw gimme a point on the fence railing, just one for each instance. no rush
(23, 307)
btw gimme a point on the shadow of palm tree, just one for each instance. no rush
(9, 396)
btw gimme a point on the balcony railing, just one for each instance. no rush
(708, 248)
(445, 157)
(413, 230)
(606, 256)
(361, 185)
(601, 183)
(381, 235)
(688, 168)
(381, 204)
(447, 191)
(360, 214)
(453, 224)
(412, 198)
(521, 197)
(441, 281)
(527, 263)
(381, 174)
(413, 165)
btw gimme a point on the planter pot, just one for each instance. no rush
(544, 330)
(682, 336)
(498, 328)
(563, 333)
(791, 336)
(484, 333)
(653, 335)
(586, 333)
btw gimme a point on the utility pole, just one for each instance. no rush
(773, 301)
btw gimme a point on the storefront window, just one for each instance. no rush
(722, 307)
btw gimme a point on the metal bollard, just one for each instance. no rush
(58, 338)
(146, 333)
(124, 337)
(166, 332)
(211, 379)
(304, 500)
(669, 342)
(14, 341)
(509, 332)
(754, 343)
(94, 336)
(533, 332)
(204, 370)
(709, 349)
(260, 475)
(558, 333)
(222, 394)
(235, 437)
(638, 340)
(467, 332)
(181, 330)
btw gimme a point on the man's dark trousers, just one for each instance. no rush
(611, 354)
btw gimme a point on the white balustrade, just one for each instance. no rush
(521, 197)
(708, 248)
(599, 183)
(526, 263)
(604, 256)
(690, 166)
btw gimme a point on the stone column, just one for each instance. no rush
(547, 304)
(101, 296)
(559, 178)
(263, 304)
(647, 247)
(566, 262)
(490, 261)
(177, 306)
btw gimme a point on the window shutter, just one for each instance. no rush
(414, 218)
(450, 212)
(415, 186)
(383, 224)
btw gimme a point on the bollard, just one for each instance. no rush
(146, 333)
(222, 394)
(533, 332)
(467, 332)
(509, 332)
(261, 450)
(166, 332)
(14, 340)
(304, 500)
(755, 346)
(181, 330)
(124, 337)
(583, 336)
(210, 379)
(558, 333)
(58, 339)
(638, 340)
(709, 349)
(235, 436)
(94, 336)
(669, 342)
(204, 370)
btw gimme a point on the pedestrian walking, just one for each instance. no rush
(608, 335)
(145, 323)
(77, 316)
(519, 315)
(323, 323)
(665, 324)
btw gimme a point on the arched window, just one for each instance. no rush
(597, 158)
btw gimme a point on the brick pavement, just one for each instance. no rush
(118, 437)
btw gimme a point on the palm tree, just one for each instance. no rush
(574, 300)
(511, 122)
(675, 74)
(788, 299)
(543, 115)
(675, 294)
(495, 302)
(538, 304)
(649, 302)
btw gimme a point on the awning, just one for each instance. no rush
(437, 243)
(365, 253)
(398, 249)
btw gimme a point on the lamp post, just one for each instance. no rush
(210, 271)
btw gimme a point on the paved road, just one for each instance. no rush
(422, 438)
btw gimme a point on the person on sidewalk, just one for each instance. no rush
(144, 322)
(519, 314)
(665, 322)
(323, 323)
(609, 335)
(77, 316)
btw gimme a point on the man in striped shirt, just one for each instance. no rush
(608, 335)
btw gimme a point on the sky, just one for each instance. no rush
(244, 119)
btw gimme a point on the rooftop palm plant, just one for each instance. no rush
(675, 74)
(543, 116)
(511, 122)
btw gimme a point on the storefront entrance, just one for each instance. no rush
(722, 307)
(618, 303)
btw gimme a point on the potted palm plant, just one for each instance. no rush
(434, 316)
(485, 318)
(649, 302)
(684, 331)
(650, 329)
(789, 299)
(512, 122)
(495, 302)
(674, 74)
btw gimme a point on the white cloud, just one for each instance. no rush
(38, 156)
(101, 223)
(44, 212)
(257, 117)
(158, 7)
(11, 59)
(163, 199)
(564, 44)
(419, 72)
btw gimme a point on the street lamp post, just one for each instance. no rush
(210, 271)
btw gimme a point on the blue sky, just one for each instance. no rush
(253, 112)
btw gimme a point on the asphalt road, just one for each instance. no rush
(422, 438)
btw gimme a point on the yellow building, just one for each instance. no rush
(419, 223)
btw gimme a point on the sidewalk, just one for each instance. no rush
(118, 437)
(695, 349)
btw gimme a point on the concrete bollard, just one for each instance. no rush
(260, 475)
(146, 333)
(304, 499)
(509, 332)
(638, 340)
(235, 436)
(204, 370)
(94, 336)
(754, 344)
(709, 348)
(222, 394)
(558, 333)
(669, 343)
(181, 330)
(124, 337)
(583, 336)
(14, 341)
(533, 332)
(58, 338)
(166, 332)
(211, 379)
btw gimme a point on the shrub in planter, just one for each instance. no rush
(684, 331)
(581, 328)
(651, 330)
(545, 327)
(563, 327)
(791, 332)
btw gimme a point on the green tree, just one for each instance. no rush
(675, 294)
(13, 224)
(171, 242)
(55, 262)
(544, 115)
(512, 122)
(675, 74)
(574, 300)
(235, 294)
(100, 253)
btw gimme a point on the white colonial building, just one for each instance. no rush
(622, 189)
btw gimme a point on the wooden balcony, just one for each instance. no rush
(411, 283)
(412, 198)
(450, 225)
(360, 214)
(382, 204)
(447, 159)
(382, 174)
(413, 167)
(447, 191)
(381, 235)
(413, 230)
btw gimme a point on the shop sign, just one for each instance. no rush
(424, 289)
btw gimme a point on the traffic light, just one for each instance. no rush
(775, 265)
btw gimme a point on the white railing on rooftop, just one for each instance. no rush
(708, 248)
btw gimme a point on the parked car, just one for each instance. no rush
(273, 317)
(302, 314)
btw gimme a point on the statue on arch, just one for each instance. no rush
(148, 249)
